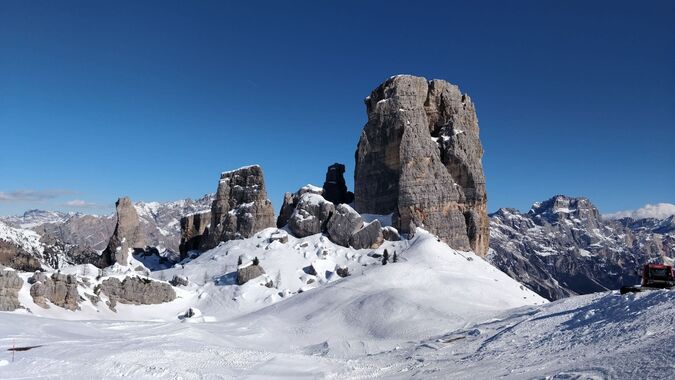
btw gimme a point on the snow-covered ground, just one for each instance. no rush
(436, 313)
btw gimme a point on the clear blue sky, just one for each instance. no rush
(153, 99)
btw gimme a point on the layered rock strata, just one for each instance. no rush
(419, 158)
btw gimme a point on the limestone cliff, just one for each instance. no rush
(419, 158)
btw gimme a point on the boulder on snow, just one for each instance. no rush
(390, 233)
(280, 235)
(291, 201)
(137, 291)
(10, 284)
(344, 223)
(59, 289)
(248, 273)
(369, 236)
(310, 215)
(192, 312)
(179, 281)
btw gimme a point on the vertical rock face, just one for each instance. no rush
(10, 284)
(241, 207)
(59, 289)
(419, 157)
(193, 228)
(127, 236)
(335, 187)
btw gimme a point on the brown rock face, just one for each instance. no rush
(59, 289)
(16, 257)
(193, 228)
(10, 284)
(241, 207)
(127, 236)
(137, 291)
(419, 157)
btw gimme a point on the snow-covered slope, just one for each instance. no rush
(600, 336)
(304, 311)
(428, 276)
(25, 239)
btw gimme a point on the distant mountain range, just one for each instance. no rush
(563, 246)
(160, 221)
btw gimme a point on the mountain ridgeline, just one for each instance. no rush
(563, 247)
(417, 165)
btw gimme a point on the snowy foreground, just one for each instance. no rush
(436, 313)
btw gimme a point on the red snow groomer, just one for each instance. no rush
(654, 276)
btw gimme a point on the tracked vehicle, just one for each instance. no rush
(654, 276)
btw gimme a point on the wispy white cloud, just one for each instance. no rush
(658, 211)
(79, 203)
(33, 195)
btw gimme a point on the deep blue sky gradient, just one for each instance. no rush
(153, 99)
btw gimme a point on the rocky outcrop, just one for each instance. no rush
(57, 253)
(370, 236)
(136, 291)
(10, 284)
(59, 289)
(279, 235)
(310, 215)
(291, 201)
(179, 281)
(419, 157)
(160, 223)
(127, 236)
(344, 223)
(241, 207)
(15, 256)
(248, 273)
(390, 233)
(335, 187)
(562, 247)
(87, 231)
(194, 228)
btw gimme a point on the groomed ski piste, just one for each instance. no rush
(435, 313)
